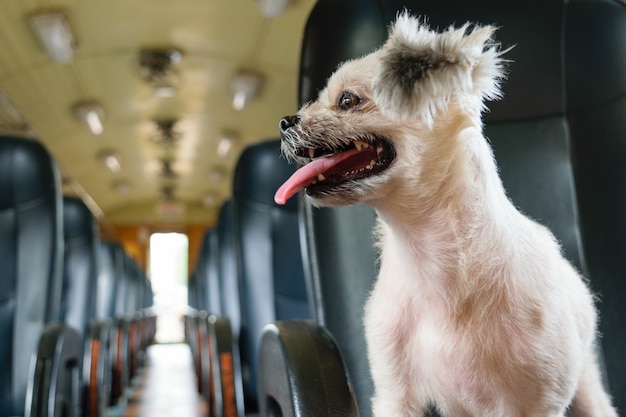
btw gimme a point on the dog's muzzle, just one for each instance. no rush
(287, 123)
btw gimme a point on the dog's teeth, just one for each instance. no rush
(311, 153)
(321, 177)
(379, 150)
(359, 144)
(372, 164)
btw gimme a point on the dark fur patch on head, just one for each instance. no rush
(404, 66)
(421, 70)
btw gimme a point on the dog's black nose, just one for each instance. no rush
(288, 122)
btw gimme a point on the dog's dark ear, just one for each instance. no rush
(421, 70)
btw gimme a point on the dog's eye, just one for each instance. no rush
(348, 100)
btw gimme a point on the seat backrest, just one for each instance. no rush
(31, 255)
(133, 290)
(340, 268)
(227, 268)
(268, 252)
(206, 273)
(559, 136)
(80, 266)
(111, 268)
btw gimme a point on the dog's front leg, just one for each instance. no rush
(393, 396)
(591, 400)
(389, 356)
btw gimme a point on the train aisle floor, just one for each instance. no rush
(166, 386)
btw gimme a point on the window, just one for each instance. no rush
(168, 274)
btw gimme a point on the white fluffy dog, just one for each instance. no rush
(475, 310)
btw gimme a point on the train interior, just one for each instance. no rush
(160, 278)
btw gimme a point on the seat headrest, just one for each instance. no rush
(25, 173)
(78, 221)
(549, 68)
(260, 171)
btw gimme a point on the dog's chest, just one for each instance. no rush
(406, 314)
(410, 323)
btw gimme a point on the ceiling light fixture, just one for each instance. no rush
(217, 175)
(273, 8)
(166, 135)
(210, 200)
(167, 171)
(111, 159)
(158, 67)
(228, 140)
(54, 34)
(167, 193)
(245, 87)
(122, 187)
(169, 207)
(92, 114)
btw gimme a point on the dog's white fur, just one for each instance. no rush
(475, 309)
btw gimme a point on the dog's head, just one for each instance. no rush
(379, 114)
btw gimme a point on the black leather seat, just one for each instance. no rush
(208, 306)
(111, 258)
(133, 316)
(31, 253)
(113, 302)
(110, 261)
(81, 269)
(227, 327)
(81, 265)
(146, 316)
(207, 271)
(190, 324)
(267, 247)
(129, 308)
(559, 136)
(221, 325)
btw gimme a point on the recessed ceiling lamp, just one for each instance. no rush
(245, 87)
(111, 159)
(210, 200)
(273, 8)
(54, 34)
(92, 114)
(158, 67)
(217, 175)
(228, 140)
(122, 187)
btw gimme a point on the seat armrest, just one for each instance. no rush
(302, 373)
(225, 361)
(54, 387)
(120, 373)
(98, 368)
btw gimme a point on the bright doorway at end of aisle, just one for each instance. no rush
(168, 273)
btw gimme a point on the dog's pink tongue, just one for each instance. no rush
(306, 175)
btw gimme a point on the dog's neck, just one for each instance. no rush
(456, 184)
(462, 196)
